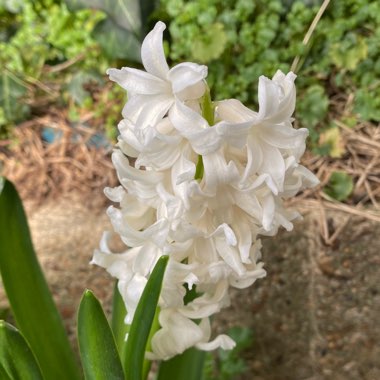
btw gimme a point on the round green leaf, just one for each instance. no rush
(340, 186)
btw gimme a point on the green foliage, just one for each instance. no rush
(313, 108)
(41, 349)
(227, 365)
(119, 328)
(340, 186)
(36, 33)
(12, 91)
(187, 366)
(13, 345)
(28, 293)
(89, 35)
(140, 329)
(94, 335)
(330, 142)
(120, 33)
(241, 40)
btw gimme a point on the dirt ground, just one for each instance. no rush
(315, 316)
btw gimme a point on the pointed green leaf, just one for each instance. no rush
(28, 293)
(16, 359)
(125, 13)
(119, 328)
(187, 366)
(11, 92)
(142, 322)
(98, 350)
(117, 42)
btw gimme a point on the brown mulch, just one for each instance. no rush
(41, 170)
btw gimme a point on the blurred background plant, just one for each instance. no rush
(59, 113)
(54, 54)
(241, 40)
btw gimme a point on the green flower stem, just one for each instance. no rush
(199, 170)
(208, 107)
(208, 114)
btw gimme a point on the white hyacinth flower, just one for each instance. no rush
(152, 92)
(202, 190)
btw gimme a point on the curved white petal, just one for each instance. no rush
(218, 172)
(146, 110)
(282, 136)
(125, 171)
(194, 127)
(138, 81)
(277, 97)
(234, 111)
(273, 164)
(192, 94)
(131, 292)
(244, 238)
(177, 334)
(235, 134)
(115, 194)
(248, 278)
(221, 341)
(186, 75)
(268, 212)
(152, 52)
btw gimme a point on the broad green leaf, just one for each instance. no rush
(340, 186)
(187, 366)
(142, 322)
(11, 91)
(118, 325)
(98, 350)
(28, 293)
(116, 41)
(125, 13)
(16, 359)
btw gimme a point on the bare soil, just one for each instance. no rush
(315, 316)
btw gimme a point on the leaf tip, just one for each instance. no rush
(88, 293)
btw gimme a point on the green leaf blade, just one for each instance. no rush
(118, 325)
(117, 42)
(142, 322)
(187, 366)
(29, 295)
(125, 13)
(97, 345)
(17, 361)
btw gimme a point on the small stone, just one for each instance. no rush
(348, 367)
(257, 364)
